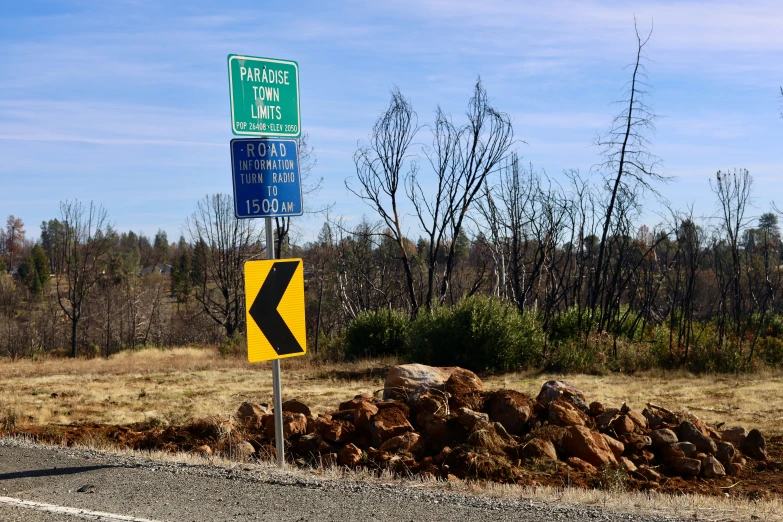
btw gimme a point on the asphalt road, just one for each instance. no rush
(130, 488)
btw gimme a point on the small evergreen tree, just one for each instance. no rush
(33, 271)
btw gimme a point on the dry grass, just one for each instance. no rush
(185, 383)
(171, 385)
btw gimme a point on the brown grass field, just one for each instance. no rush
(186, 383)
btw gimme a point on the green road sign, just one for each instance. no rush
(264, 96)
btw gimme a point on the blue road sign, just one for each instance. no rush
(266, 178)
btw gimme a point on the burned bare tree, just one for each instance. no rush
(461, 157)
(79, 249)
(628, 162)
(379, 168)
(222, 244)
(733, 190)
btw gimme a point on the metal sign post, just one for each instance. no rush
(277, 388)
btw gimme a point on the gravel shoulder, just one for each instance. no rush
(175, 491)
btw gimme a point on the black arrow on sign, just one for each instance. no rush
(264, 310)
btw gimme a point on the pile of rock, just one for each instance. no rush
(441, 422)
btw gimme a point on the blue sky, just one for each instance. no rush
(126, 102)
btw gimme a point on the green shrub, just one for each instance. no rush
(565, 325)
(233, 346)
(770, 343)
(575, 357)
(331, 348)
(377, 334)
(631, 318)
(712, 358)
(477, 333)
(661, 354)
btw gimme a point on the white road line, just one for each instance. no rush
(63, 510)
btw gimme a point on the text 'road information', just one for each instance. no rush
(266, 178)
(264, 96)
(275, 309)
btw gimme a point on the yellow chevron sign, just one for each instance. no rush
(275, 309)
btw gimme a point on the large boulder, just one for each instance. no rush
(426, 402)
(331, 430)
(712, 468)
(251, 414)
(685, 467)
(735, 435)
(462, 381)
(689, 432)
(649, 474)
(623, 424)
(242, 451)
(678, 449)
(354, 403)
(468, 418)
(350, 456)
(615, 445)
(510, 408)
(638, 419)
(553, 390)
(387, 423)
(604, 419)
(405, 378)
(662, 437)
(580, 465)
(587, 445)
(406, 443)
(293, 424)
(596, 408)
(539, 449)
(754, 445)
(296, 406)
(634, 442)
(627, 463)
(364, 411)
(563, 413)
(725, 452)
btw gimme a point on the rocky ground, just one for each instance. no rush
(441, 422)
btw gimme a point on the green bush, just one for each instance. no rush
(377, 334)
(331, 348)
(575, 357)
(478, 333)
(234, 346)
(564, 326)
(770, 342)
